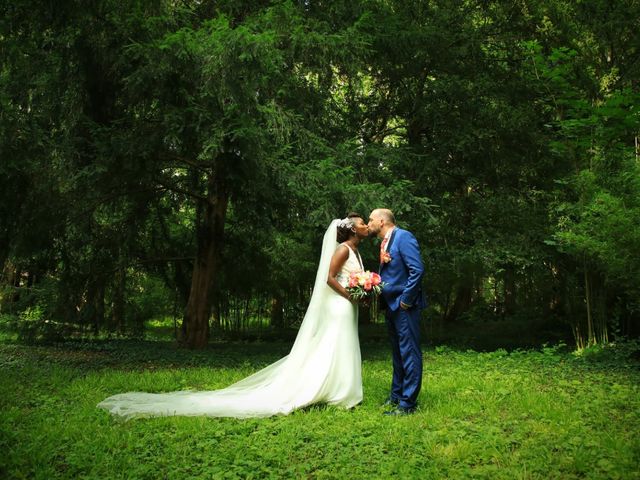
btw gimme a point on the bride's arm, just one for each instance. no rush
(337, 261)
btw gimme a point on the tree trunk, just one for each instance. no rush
(277, 312)
(598, 297)
(364, 314)
(207, 263)
(462, 299)
(118, 322)
(98, 302)
(215, 313)
(509, 291)
(16, 284)
(591, 340)
(92, 306)
(10, 276)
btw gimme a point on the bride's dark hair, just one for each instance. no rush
(345, 231)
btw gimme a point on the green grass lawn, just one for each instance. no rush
(537, 414)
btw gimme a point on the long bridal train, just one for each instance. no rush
(323, 366)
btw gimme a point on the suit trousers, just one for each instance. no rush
(404, 334)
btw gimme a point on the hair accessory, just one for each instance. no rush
(346, 223)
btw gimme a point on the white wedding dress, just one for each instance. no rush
(324, 365)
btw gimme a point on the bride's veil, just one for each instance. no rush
(311, 330)
(313, 317)
(268, 391)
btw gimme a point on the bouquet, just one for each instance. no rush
(364, 285)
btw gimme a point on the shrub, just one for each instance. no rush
(33, 326)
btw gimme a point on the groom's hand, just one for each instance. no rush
(404, 306)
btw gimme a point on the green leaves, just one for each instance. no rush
(502, 136)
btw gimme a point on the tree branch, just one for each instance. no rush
(203, 167)
(177, 189)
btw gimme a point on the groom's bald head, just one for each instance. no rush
(380, 221)
(385, 214)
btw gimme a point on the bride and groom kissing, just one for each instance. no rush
(324, 364)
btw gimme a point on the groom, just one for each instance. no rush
(401, 270)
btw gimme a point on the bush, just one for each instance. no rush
(33, 326)
(148, 297)
(620, 352)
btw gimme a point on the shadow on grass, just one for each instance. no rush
(257, 352)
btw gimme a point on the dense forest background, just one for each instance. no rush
(181, 160)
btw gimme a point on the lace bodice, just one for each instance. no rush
(353, 264)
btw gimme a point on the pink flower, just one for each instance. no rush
(385, 257)
(363, 286)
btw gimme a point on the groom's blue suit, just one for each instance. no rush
(402, 276)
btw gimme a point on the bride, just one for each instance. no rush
(323, 366)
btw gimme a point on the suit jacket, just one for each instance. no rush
(403, 274)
